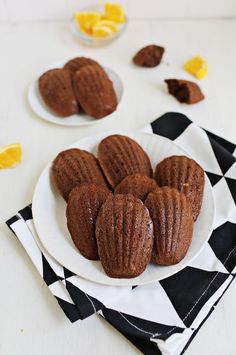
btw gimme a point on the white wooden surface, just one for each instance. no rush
(29, 10)
(31, 321)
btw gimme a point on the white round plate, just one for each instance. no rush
(50, 221)
(80, 119)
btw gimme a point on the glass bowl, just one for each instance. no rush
(89, 39)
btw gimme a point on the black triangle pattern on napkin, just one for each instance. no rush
(229, 147)
(214, 178)
(225, 160)
(139, 331)
(141, 327)
(191, 283)
(222, 240)
(26, 213)
(68, 273)
(232, 187)
(189, 291)
(174, 125)
(86, 304)
(49, 275)
(204, 320)
(69, 309)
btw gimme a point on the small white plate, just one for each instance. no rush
(80, 119)
(50, 221)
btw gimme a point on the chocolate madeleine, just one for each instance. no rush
(94, 91)
(77, 63)
(56, 90)
(173, 225)
(184, 174)
(149, 56)
(74, 166)
(185, 91)
(124, 233)
(137, 185)
(120, 156)
(82, 209)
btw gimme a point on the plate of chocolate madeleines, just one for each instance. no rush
(74, 93)
(123, 208)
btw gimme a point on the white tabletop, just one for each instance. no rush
(31, 321)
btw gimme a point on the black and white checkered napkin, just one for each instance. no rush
(163, 317)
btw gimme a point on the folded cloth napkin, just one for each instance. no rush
(163, 317)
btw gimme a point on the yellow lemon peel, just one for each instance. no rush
(197, 66)
(114, 12)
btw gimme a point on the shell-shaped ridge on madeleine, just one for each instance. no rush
(82, 209)
(124, 233)
(173, 225)
(120, 156)
(56, 90)
(94, 91)
(137, 185)
(75, 64)
(74, 166)
(184, 174)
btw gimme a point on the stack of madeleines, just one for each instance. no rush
(82, 84)
(123, 214)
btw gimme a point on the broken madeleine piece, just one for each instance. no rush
(185, 91)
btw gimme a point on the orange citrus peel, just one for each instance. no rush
(97, 24)
(10, 155)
